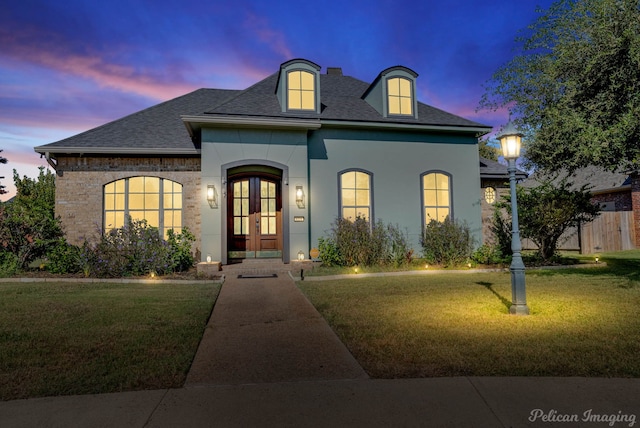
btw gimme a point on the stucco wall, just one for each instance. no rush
(396, 162)
(222, 147)
(79, 190)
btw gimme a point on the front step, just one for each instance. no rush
(265, 267)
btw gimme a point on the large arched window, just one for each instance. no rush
(301, 90)
(436, 196)
(355, 194)
(400, 98)
(157, 200)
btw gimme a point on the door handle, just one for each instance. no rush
(258, 225)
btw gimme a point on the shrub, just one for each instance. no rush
(488, 255)
(447, 243)
(64, 258)
(9, 263)
(361, 243)
(134, 249)
(180, 249)
(329, 253)
(401, 251)
(501, 229)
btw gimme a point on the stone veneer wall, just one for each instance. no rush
(80, 181)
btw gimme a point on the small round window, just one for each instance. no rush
(490, 195)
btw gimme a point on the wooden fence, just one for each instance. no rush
(610, 231)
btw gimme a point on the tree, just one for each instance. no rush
(574, 89)
(2, 188)
(487, 149)
(28, 226)
(547, 211)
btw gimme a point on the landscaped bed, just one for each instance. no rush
(583, 322)
(78, 338)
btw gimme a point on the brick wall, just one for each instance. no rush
(622, 200)
(487, 209)
(80, 181)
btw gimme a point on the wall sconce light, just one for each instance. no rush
(300, 255)
(299, 197)
(212, 196)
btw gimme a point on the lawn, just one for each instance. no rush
(77, 338)
(583, 322)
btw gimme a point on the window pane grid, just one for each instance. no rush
(436, 196)
(156, 200)
(241, 207)
(355, 195)
(301, 90)
(267, 208)
(399, 96)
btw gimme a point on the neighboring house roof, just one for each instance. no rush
(161, 129)
(597, 180)
(494, 170)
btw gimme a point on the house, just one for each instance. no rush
(265, 171)
(618, 225)
(494, 183)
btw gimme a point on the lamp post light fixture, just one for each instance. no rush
(511, 141)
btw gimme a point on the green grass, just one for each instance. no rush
(583, 322)
(74, 338)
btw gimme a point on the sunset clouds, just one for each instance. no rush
(66, 67)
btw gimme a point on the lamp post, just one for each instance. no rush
(511, 140)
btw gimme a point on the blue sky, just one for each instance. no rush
(68, 66)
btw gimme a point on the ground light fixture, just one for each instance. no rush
(511, 142)
(300, 255)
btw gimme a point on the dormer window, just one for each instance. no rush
(298, 89)
(301, 90)
(393, 93)
(400, 97)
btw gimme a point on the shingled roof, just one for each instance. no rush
(155, 130)
(161, 129)
(494, 170)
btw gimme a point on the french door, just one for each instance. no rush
(254, 217)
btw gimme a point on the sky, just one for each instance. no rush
(69, 66)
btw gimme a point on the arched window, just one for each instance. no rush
(355, 194)
(436, 196)
(399, 94)
(157, 200)
(301, 90)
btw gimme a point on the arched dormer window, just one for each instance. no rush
(393, 93)
(299, 86)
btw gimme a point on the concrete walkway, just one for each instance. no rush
(264, 330)
(267, 359)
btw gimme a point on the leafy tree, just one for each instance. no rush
(574, 88)
(487, 149)
(547, 211)
(2, 188)
(28, 226)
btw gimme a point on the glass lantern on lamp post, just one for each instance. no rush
(511, 141)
